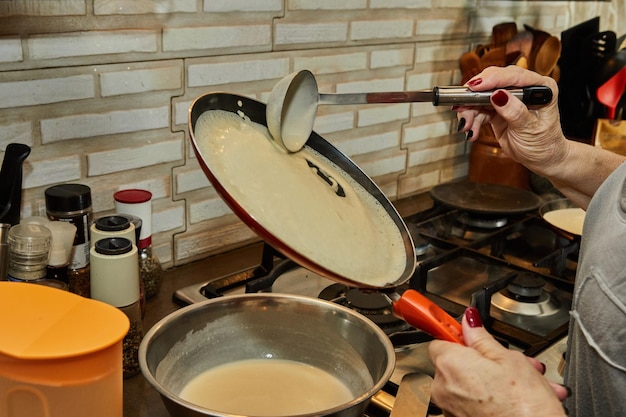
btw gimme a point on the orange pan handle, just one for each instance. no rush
(420, 312)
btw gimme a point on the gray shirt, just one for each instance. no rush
(596, 355)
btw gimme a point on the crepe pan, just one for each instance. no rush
(412, 306)
(559, 204)
(486, 199)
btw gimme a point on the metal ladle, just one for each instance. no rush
(292, 105)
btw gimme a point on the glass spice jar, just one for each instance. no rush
(138, 203)
(29, 250)
(72, 203)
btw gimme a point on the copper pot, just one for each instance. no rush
(489, 164)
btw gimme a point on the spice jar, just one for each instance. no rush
(115, 281)
(29, 249)
(112, 226)
(72, 203)
(139, 203)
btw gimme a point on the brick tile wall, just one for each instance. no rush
(100, 90)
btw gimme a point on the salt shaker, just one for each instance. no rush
(115, 281)
(139, 203)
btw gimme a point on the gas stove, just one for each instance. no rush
(516, 270)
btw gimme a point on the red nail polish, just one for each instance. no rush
(473, 317)
(475, 82)
(500, 98)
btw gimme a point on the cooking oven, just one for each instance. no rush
(515, 268)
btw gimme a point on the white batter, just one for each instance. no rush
(569, 219)
(352, 236)
(266, 387)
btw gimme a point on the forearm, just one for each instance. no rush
(581, 170)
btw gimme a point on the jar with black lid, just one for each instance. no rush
(72, 203)
(115, 281)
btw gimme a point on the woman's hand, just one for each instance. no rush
(533, 136)
(486, 379)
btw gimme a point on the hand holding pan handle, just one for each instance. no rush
(417, 310)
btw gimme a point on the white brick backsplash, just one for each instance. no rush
(91, 43)
(122, 159)
(425, 156)
(422, 109)
(52, 170)
(330, 64)
(191, 180)
(11, 50)
(426, 131)
(437, 53)
(414, 182)
(391, 58)
(104, 7)
(207, 210)
(181, 112)
(326, 4)
(133, 81)
(208, 74)
(334, 122)
(440, 27)
(381, 29)
(16, 133)
(88, 125)
(386, 165)
(195, 245)
(405, 4)
(45, 91)
(172, 218)
(373, 115)
(428, 80)
(42, 8)
(370, 143)
(302, 33)
(217, 6)
(374, 85)
(182, 39)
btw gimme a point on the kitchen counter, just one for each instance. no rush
(140, 399)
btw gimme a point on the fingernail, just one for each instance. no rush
(543, 368)
(461, 124)
(469, 134)
(472, 317)
(475, 82)
(500, 98)
(568, 389)
(454, 107)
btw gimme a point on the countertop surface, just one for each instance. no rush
(140, 399)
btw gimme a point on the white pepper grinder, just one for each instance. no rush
(115, 281)
(138, 203)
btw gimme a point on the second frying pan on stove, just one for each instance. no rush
(486, 199)
(316, 206)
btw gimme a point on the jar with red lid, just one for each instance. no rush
(136, 202)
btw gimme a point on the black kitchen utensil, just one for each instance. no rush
(11, 182)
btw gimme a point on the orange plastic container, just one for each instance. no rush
(60, 354)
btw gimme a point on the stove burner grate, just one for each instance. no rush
(374, 305)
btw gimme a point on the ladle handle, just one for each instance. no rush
(448, 96)
(421, 313)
